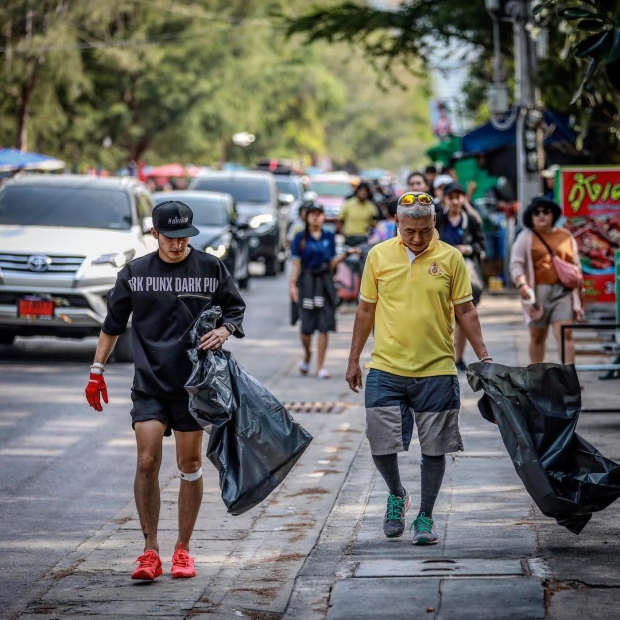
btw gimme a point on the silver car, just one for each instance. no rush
(63, 240)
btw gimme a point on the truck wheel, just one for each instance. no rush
(123, 351)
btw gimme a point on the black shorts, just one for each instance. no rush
(173, 413)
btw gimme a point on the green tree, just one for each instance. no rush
(417, 30)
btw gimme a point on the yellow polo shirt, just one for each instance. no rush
(414, 319)
(357, 216)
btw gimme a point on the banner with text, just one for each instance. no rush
(590, 201)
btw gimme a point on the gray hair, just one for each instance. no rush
(416, 210)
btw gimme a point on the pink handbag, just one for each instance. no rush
(569, 274)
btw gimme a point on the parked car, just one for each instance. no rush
(332, 189)
(222, 233)
(63, 239)
(256, 196)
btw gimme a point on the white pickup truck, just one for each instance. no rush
(63, 239)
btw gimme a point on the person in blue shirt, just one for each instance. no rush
(313, 253)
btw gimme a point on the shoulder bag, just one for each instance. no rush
(568, 273)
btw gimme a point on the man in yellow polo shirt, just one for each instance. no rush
(357, 215)
(413, 286)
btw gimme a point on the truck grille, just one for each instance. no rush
(18, 263)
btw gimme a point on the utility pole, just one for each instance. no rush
(530, 156)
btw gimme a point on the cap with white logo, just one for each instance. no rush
(173, 219)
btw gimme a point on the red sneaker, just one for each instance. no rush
(149, 566)
(182, 564)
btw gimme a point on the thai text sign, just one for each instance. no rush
(590, 201)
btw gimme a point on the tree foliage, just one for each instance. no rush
(419, 30)
(102, 83)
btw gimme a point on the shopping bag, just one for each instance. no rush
(537, 409)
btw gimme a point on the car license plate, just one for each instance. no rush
(35, 308)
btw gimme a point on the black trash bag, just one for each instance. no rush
(211, 398)
(537, 409)
(257, 445)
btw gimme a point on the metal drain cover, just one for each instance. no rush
(442, 568)
(314, 407)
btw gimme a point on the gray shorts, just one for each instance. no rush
(557, 303)
(394, 403)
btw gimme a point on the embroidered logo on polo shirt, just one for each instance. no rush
(435, 270)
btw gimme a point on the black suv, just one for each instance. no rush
(256, 197)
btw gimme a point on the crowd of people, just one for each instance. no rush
(425, 260)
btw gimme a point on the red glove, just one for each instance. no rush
(96, 385)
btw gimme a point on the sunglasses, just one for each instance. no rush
(538, 212)
(409, 199)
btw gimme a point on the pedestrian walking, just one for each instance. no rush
(165, 292)
(417, 182)
(314, 259)
(546, 301)
(357, 216)
(412, 287)
(456, 227)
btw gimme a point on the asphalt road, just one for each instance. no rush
(65, 469)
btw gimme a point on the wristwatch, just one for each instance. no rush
(230, 327)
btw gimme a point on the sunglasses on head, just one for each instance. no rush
(542, 211)
(409, 199)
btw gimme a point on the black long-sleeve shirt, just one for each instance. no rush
(166, 299)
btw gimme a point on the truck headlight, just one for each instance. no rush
(118, 259)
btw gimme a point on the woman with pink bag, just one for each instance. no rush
(545, 267)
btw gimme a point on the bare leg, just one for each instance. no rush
(460, 341)
(569, 343)
(189, 460)
(306, 341)
(149, 436)
(323, 340)
(538, 337)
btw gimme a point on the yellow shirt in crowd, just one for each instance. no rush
(414, 318)
(357, 216)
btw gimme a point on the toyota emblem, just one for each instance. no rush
(39, 262)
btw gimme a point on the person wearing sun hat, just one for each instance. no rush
(533, 273)
(165, 292)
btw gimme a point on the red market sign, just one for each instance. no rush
(590, 201)
(588, 191)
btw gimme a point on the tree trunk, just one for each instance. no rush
(23, 109)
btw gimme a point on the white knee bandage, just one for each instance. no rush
(191, 477)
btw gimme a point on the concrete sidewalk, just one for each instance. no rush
(315, 547)
(498, 556)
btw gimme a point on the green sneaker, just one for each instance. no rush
(394, 522)
(424, 531)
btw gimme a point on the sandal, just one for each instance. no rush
(324, 374)
(303, 367)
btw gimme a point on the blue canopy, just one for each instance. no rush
(489, 137)
(13, 159)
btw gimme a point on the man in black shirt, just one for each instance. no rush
(165, 292)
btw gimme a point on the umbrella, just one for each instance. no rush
(13, 159)
(167, 171)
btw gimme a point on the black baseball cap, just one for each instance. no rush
(173, 219)
(315, 207)
(453, 187)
